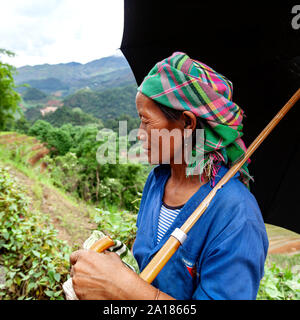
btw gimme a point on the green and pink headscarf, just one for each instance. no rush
(182, 83)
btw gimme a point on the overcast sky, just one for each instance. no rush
(60, 31)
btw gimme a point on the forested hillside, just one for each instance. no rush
(108, 104)
(63, 115)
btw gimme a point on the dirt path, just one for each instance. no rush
(283, 241)
(71, 219)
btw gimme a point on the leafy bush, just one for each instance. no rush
(279, 284)
(119, 225)
(40, 129)
(60, 140)
(21, 125)
(35, 261)
(57, 138)
(103, 185)
(9, 98)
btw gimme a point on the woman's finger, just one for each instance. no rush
(75, 256)
(71, 272)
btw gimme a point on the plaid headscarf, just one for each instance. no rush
(182, 83)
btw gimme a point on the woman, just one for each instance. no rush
(224, 254)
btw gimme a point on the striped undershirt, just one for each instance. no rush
(166, 217)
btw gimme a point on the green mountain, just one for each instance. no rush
(107, 104)
(33, 94)
(66, 78)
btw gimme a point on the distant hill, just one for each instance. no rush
(66, 78)
(33, 94)
(68, 115)
(107, 104)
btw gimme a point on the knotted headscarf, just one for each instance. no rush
(182, 83)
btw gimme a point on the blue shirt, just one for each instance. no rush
(225, 251)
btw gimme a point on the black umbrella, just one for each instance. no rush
(257, 47)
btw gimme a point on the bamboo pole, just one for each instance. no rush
(102, 244)
(169, 248)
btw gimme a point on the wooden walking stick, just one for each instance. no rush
(179, 235)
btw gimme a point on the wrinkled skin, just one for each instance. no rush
(104, 277)
(164, 148)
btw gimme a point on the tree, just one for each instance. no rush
(40, 129)
(9, 98)
(60, 140)
(21, 125)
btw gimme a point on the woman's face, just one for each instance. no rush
(162, 138)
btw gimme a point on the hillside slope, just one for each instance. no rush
(70, 217)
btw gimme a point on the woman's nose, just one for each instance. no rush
(142, 134)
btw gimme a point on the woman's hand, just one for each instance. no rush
(100, 276)
(103, 276)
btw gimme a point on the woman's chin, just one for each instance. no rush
(155, 159)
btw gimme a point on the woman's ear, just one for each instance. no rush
(190, 120)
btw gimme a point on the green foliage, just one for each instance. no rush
(21, 125)
(66, 115)
(74, 168)
(33, 94)
(35, 261)
(33, 114)
(132, 123)
(119, 225)
(279, 284)
(64, 171)
(40, 129)
(9, 98)
(105, 185)
(60, 140)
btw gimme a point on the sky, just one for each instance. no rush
(60, 31)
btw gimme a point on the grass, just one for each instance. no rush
(3, 133)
